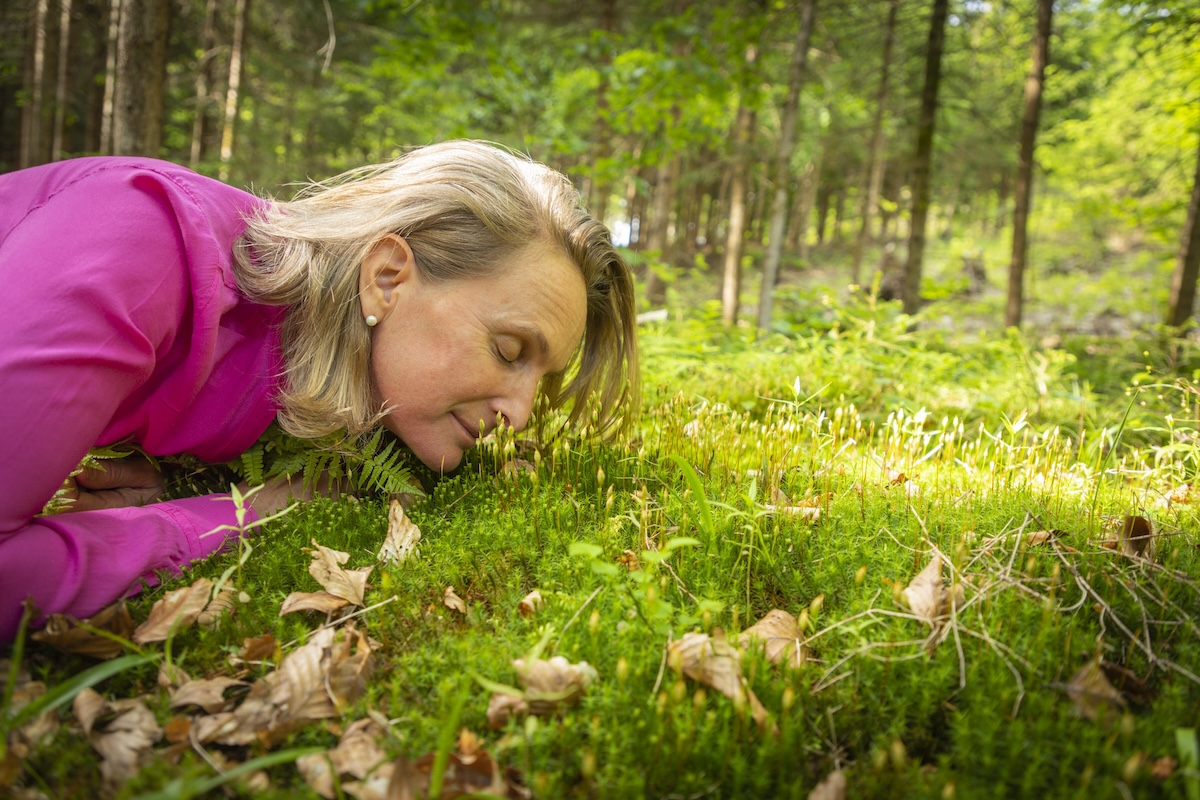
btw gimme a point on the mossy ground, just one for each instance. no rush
(912, 444)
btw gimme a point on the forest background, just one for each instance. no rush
(862, 138)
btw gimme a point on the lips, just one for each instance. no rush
(469, 432)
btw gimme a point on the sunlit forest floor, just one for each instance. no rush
(861, 556)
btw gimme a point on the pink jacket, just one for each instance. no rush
(119, 321)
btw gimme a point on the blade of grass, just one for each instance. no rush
(699, 499)
(193, 787)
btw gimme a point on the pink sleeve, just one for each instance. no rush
(94, 294)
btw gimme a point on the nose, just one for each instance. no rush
(516, 403)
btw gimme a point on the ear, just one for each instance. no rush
(388, 265)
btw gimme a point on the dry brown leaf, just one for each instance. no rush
(1092, 692)
(503, 707)
(300, 690)
(895, 477)
(349, 671)
(257, 648)
(1163, 768)
(553, 683)
(357, 754)
(172, 676)
(928, 598)
(178, 729)
(832, 788)
(1038, 537)
(1137, 537)
(530, 603)
(327, 568)
(712, 661)
(324, 602)
(123, 733)
(779, 634)
(64, 633)
(453, 601)
(176, 611)
(400, 544)
(28, 736)
(475, 774)
(220, 606)
(211, 694)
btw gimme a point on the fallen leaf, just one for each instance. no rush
(400, 544)
(1137, 537)
(1092, 692)
(350, 666)
(1040, 537)
(453, 601)
(66, 634)
(23, 739)
(1163, 768)
(530, 603)
(465, 775)
(357, 755)
(832, 788)
(123, 733)
(176, 611)
(312, 601)
(895, 477)
(552, 683)
(779, 635)
(928, 598)
(326, 567)
(172, 676)
(211, 694)
(257, 648)
(218, 607)
(503, 707)
(712, 661)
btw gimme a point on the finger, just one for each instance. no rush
(114, 498)
(125, 472)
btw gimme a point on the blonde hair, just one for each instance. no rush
(465, 208)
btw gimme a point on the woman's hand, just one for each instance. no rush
(115, 483)
(278, 493)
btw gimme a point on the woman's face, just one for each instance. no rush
(448, 357)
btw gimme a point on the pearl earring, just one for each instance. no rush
(372, 320)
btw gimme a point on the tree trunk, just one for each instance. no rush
(1024, 190)
(140, 77)
(731, 284)
(1187, 265)
(783, 164)
(810, 185)
(60, 84)
(923, 158)
(241, 14)
(870, 199)
(108, 111)
(203, 80)
(600, 185)
(658, 235)
(35, 87)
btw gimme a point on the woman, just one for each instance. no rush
(143, 303)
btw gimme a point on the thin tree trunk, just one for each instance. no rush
(875, 181)
(810, 185)
(657, 238)
(31, 119)
(783, 164)
(731, 284)
(1024, 191)
(600, 185)
(235, 76)
(60, 84)
(1187, 265)
(141, 77)
(203, 79)
(108, 111)
(922, 162)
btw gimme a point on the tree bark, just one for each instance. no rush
(875, 180)
(658, 238)
(203, 80)
(731, 284)
(60, 83)
(35, 87)
(141, 70)
(1024, 190)
(241, 14)
(923, 159)
(783, 164)
(108, 111)
(1187, 265)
